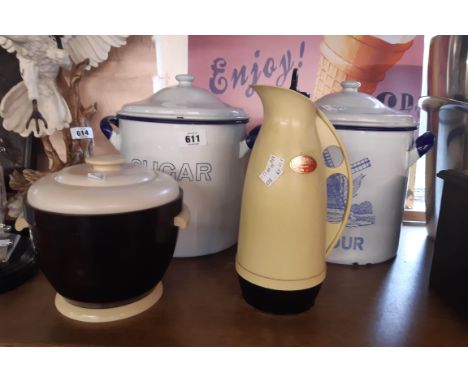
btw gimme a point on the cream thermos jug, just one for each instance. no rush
(284, 235)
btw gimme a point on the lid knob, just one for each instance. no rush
(350, 86)
(184, 79)
(105, 162)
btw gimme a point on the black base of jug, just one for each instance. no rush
(278, 301)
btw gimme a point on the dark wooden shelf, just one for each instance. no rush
(387, 304)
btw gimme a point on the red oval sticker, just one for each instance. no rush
(303, 164)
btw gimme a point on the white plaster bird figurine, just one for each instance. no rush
(35, 105)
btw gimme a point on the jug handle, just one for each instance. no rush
(328, 137)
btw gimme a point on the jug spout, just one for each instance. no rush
(422, 145)
(285, 107)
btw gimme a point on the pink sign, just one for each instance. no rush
(228, 65)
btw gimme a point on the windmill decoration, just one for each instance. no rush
(361, 214)
(48, 98)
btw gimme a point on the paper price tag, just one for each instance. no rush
(192, 138)
(81, 132)
(275, 162)
(273, 170)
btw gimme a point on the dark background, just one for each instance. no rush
(14, 149)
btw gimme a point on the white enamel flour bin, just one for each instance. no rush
(381, 146)
(191, 135)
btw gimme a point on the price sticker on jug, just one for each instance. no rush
(273, 170)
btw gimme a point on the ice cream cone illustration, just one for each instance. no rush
(361, 58)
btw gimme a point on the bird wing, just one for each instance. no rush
(7, 44)
(16, 108)
(94, 48)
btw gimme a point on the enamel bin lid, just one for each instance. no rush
(352, 110)
(103, 185)
(183, 103)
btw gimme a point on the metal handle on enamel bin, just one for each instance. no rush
(328, 137)
(106, 125)
(106, 128)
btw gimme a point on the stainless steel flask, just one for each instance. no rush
(447, 116)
